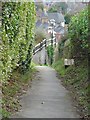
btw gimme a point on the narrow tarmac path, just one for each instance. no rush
(47, 98)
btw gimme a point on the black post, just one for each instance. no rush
(40, 47)
(52, 39)
(45, 43)
(55, 41)
(52, 48)
(45, 52)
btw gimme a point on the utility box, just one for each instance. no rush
(68, 62)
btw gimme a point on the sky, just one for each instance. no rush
(49, 0)
(63, 0)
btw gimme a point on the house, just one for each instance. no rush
(58, 17)
(59, 24)
(45, 20)
(44, 26)
(60, 30)
(44, 17)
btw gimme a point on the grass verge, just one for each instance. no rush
(75, 79)
(59, 67)
(13, 89)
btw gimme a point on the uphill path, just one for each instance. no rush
(47, 98)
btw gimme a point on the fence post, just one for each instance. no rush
(45, 43)
(52, 39)
(55, 41)
(40, 46)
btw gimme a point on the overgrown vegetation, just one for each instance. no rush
(50, 53)
(67, 18)
(39, 6)
(59, 6)
(13, 91)
(18, 23)
(75, 77)
(40, 34)
(59, 67)
(78, 34)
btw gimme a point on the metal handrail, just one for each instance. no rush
(43, 44)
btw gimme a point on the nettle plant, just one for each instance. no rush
(18, 23)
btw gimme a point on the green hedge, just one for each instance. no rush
(78, 34)
(18, 21)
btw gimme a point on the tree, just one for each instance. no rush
(78, 33)
(39, 6)
(40, 34)
(60, 6)
(53, 9)
(63, 7)
(67, 18)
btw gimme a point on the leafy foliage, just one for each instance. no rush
(78, 33)
(50, 52)
(62, 6)
(76, 45)
(39, 6)
(18, 20)
(40, 35)
(67, 18)
(52, 9)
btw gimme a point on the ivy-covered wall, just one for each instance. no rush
(18, 22)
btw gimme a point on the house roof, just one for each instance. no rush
(60, 30)
(58, 17)
(41, 25)
(38, 23)
(44, 15)
(44, 25)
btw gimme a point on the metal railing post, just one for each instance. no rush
(55, 41)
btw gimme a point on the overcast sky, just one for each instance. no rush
(65, 0)
(47, 0)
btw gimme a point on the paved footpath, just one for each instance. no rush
(47, 98)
